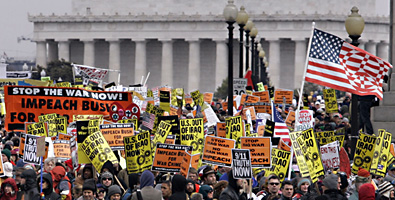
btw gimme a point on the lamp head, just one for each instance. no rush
(354, 22)
(242, 16)
(230, 12)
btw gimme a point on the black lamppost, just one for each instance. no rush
(230, 14)
(247, 29)
(253, 34)
(354, 26)
(262, 60)
(258, 46)
(242, 18)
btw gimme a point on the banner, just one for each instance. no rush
(192, 133)
(25, 104)
(138, 152)
(330, 101)
(114, 134)
(280, 163)
(97, 150)
(218, 151)
(241, 164)
(260, 148)
(363, 152)
(383, 159)
(62, 150)
(330, 155)
(168, 158)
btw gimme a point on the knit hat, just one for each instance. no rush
(366, 192)
(114, 189)
(7, 166)
(385, 189)
(106, 175)
(363, 173)
(7, 153)
(69, 163)
(147, 179)
(89, 184)
(204, 190)
(330, 181)
(303, 180)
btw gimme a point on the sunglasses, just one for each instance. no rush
(274, 183)
(107, 179)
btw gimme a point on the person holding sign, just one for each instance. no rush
(47, 187)
(147, 187)
(232, 192)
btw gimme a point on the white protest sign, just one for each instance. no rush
(304, 120)
(330, 155)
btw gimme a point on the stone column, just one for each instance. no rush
(274, 62)
(382, 50)
(194, 65)
(89, 52)
(221, 63)
(114, 62)
(167, 62)
(52, 51)
(41, 53)
(371, 47)
(141, 61)
(64, 50)
(300, 61)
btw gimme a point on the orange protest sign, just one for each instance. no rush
(170, 139)
(64, 137)
(283, 146)
(114, 134)
(195, 161)
(188, 100)
(168, 157)
(290, 118)
(280, 94)
(22, 144)
(260, 148)
(173, 110)
(260, 107)
(26, 103)
(218, 151)
(263, 96)
(252, 99)
(221, 129)
(61, 149)
(186, 162)
(252, 112)
(208, 97)
(261, 130)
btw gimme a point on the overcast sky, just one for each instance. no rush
(14, 23)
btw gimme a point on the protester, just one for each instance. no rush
(386, 191)
(178, 184)
(47, 187)
(302, 188)
(232, 191)
(147, 187)
(273, 186)
(88, 190)
(49, 164)
(166, 190)
(114, 193)
(362, 177)
(331, 188)
(287, 190)
(28, 184)
(190, 188)
(209, 176)
(207, 192)
(367, 192)
(8, 190)
(101, 192)
(219, 187)
(61, 183)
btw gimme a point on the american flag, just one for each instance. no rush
(337, 64)
(281, 130)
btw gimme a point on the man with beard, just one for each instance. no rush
(232, 192)
(190, 187)
(28, 183)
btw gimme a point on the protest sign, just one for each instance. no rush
(263, 96)
(383, 157)
(269, 128)
(327, 140)
(281, 95)
(304, 120)
(62, 136)
(30, 149)
(283, 145)
(62, 150)
(212, 118)
(40, 152)
(290, 118)
(185, 164)
(239, 86)
(82, 134)
(87, 117)
(221, 129)
(330, 101)
(192, 134)
(161, 134)
(324, 134)
(311, 151)
(280, 163)
(138, 152)
(175, 124)
(164, 100)
(218, 151)
(114, 134)
(17, 81)
(168, 158)
(307, 158)
(304, 170)
(50, 119)
(97, 150)
(377, 150)
(208, 97)
(330, 155)
(61, 124)
(260, 148)
(247, 128)
(364, 152)
(170, 139)
(241, 164)
(25, 104)
(234, 128)
(93, 126)
(22, 141)
(260, 107)
(39, 129)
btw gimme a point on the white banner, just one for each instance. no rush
(330, 155)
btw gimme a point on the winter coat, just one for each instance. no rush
(29, 188)
(61, 183)
(9, 196)
(331, 195)
(48, 192)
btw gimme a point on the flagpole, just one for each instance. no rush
(305, 69)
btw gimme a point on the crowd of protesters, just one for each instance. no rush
(60, 180)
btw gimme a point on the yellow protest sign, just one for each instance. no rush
(192, 133)
(138, 152)
(63, 84)
(329, 139)
(363, 152)
(164, 100)
(304, 170)
(61, 124)
(97, 150)
(261, 88)
(234, 128)
(280, 163)
(39, 128)
(377, 150)
(88, 117)
(50, 119)
(247, 129)
(308, 160)
(330, 101)
(312, 151)
(93, 126)
(161, 134)
(129, 121)
(383, 158)
(323, 134)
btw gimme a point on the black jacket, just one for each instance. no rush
(49, 192)
(331, 195)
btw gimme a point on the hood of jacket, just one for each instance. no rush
(30, 176)
(146, 179)
(58, 173)
(178, 183)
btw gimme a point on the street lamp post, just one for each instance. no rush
(230, 14)
(242, 18)
(253, 34)
(247, 29)
(258, 47)
(354, 26)
(262, 55)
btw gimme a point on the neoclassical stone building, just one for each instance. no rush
(182, 43)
